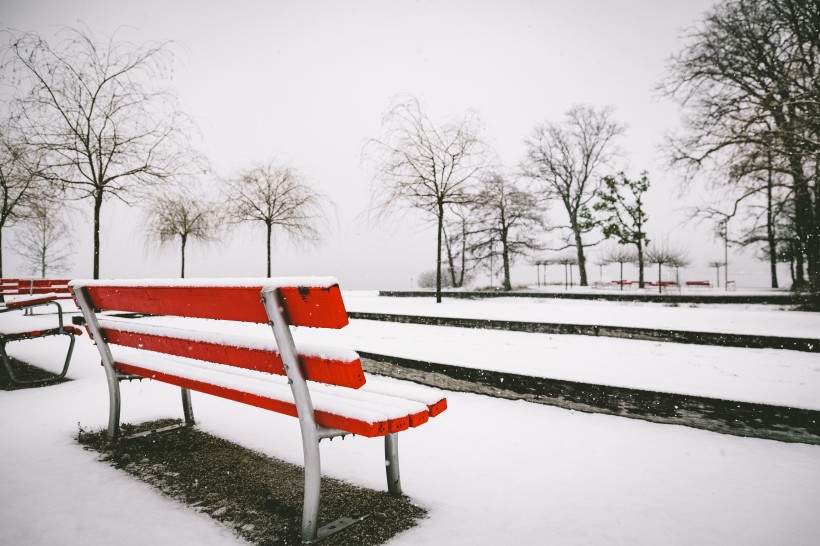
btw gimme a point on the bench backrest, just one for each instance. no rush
(315, 302)
(34, 286)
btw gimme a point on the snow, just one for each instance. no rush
(213, 332)
(769, 376)
(739, 319)
(17, 323)
(361, 406)
(275, 282)
(489, 471)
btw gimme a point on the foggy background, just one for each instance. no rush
(309, 82)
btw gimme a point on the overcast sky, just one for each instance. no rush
(309, 81)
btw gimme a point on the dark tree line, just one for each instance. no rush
(750, 85)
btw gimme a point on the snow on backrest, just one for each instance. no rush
(309, 301)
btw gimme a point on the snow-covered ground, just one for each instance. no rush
(764, 320)
(489, 471)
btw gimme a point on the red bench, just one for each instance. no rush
(698, 284)
(324, 387)
(17, 327)
(11, 287)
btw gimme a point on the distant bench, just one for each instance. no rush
(15, 287)
(16, 327)
(698, 284)
(336, 399)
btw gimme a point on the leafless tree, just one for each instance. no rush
(567, 158)
(94, 109)
(424, 166)
(44, 238)
(277, 196)
(18, 181)
(664, 253)
(459, 234)
(749, 78)
(510, 216)
(182, 216)
(717, 265)
(619, 254)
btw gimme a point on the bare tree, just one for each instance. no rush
(173, 216)
(510, 216)
(18, 181)
(276, 196)
(93, 108)
(618, 254)
(748, 78)
(424, 166)
(621, 199)
(567, 158)
(43, 239)
(459, 233)
(664, 253)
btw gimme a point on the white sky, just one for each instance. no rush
(308, 82)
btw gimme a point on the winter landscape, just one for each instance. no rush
(594, 228)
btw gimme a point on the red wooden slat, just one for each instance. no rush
(323, 418)
(334, 372)
(29, 301)
(317, 307)
(438, 407)
(39, 333)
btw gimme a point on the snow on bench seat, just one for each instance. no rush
(363, 413)
(432, 398)
(15, 326)
(334, 365)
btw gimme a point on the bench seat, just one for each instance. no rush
(17, 326)
(365, 413)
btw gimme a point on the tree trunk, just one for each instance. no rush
(98, 201)
(621, 279)
(641, 283)
(582, 266)
(450, 261)
(660, 286)
(184, 240)
(438, 251)
(805, 224)
(770, 227)
(505, 257)
(270, 229)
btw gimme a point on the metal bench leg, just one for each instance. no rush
(67, 356)
(313, 477)
(391, 463)
(7, 363)
(187, 409)
(113, 407)
(13, 376)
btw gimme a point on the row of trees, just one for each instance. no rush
(271, 195)
(88, 120)
(749, 82)
(486, 215)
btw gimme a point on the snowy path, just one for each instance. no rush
(489, 471)
(738, 319)
(768, 376)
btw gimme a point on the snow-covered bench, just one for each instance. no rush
(324, 387)
(58, 287)
(17, 327)
(698, 284)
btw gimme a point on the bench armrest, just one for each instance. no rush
(31, 302)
